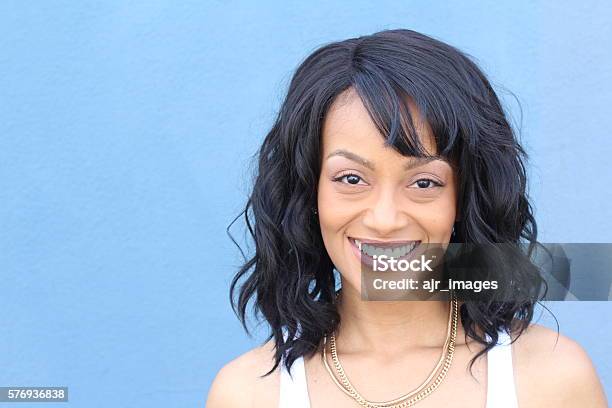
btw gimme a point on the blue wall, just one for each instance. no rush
(125, 136)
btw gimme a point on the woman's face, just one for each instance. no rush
(369, 193)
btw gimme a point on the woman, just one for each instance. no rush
(390, 140)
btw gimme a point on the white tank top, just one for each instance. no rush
(501, 392)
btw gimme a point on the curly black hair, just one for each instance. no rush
(290, 278)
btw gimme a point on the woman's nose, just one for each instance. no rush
(385, 214)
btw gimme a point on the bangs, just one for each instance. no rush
(387, 98)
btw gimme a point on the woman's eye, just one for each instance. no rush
(352, 179)
(426, 183)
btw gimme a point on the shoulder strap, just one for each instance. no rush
(293, 386)
(501, 391)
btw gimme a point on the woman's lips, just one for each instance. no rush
(368, 260)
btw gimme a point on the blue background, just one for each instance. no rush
(126, 131)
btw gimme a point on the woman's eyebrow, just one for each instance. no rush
(420, 161)
(414, 161)
(352, 156)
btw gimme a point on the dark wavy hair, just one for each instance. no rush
(290, 278)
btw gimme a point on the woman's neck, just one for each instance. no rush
(389, 327)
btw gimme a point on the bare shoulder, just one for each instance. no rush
(240, 383)
(553, 370)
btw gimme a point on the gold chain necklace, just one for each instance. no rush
(412, 397)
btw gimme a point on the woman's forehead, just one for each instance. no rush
(348, 122)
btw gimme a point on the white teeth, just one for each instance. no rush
(396, 252)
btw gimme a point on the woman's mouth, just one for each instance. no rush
(366, 249)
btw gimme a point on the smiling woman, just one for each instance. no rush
(384, 143)
(369, 192)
